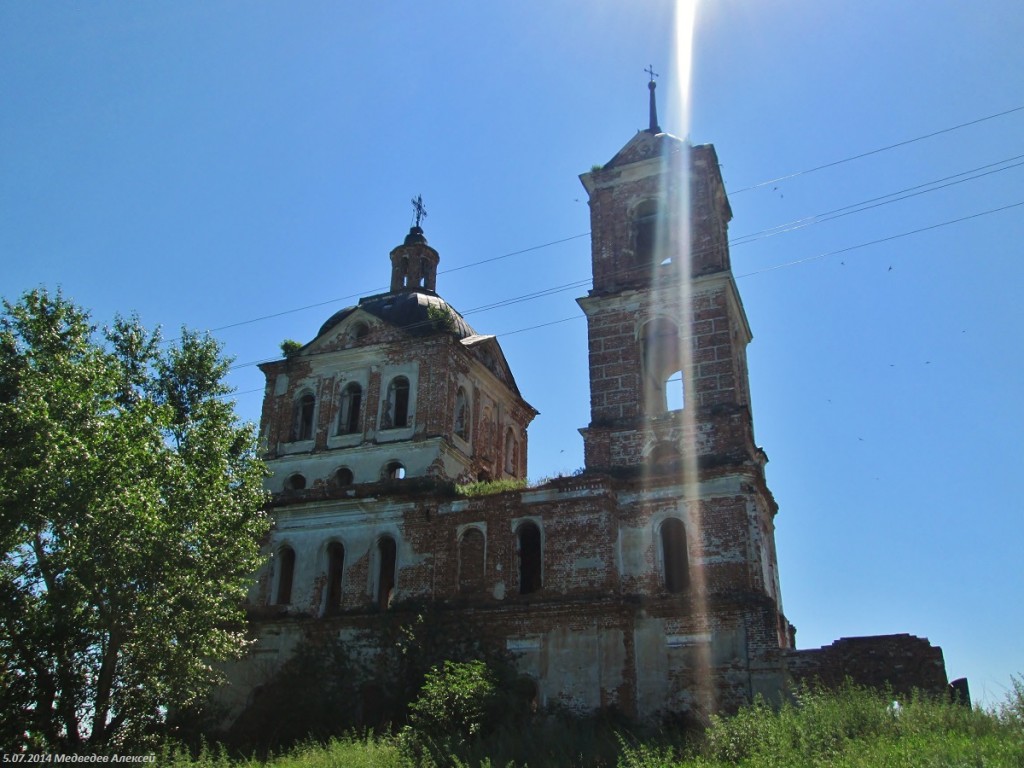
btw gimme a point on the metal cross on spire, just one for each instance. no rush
(653, 127)
(419, 208)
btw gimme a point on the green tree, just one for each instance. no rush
(131, 511)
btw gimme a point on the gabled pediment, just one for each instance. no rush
(487, 350)
(646, 146)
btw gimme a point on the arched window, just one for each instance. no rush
(527, 690)
(663, 366)
(343, 477)
(350, 409)
(335, 569)
(358, 331)
(285, 575)
(664, 457)
(645, 231)
(396, 407)
(462, 414)
(295, 482)
(302, 421)
(511, 452)
(394, 470)
(675, 561)
(471, 561)
(530, 558)
(488, 444)
(387, 554)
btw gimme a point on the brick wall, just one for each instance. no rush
(903, 662)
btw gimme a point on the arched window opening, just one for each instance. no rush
(674, 556)
(665, 456)
(462, 414)
(405, 271)
(645, 231)
(530, 559)
(471, 561)
(387, 554)
(343, 477)
(335, 569)
(511, 452)
(394, 470)
(350, 409)
(662, 366)
(674, 391)
(396, 407)
(296, 482)
(526, 688)
(358, 331)
(488, 445)
(302, 424)
(285, 575)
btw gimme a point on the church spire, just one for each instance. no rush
(654, 127)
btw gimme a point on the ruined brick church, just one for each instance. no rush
(649, 582)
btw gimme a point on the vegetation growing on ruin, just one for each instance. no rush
(290, 346)
(851, 728)
(489, 487)
(441, 316)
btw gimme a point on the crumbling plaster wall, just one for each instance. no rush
(435, 368)
(602, 630)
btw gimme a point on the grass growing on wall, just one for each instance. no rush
(488, 487)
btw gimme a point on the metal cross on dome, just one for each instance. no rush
(419, 208)
(650, 71)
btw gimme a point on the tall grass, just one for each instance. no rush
(854, 728)
(851, 728)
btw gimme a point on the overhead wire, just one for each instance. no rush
(860, 207)
(579, 283)
(847, 210)
(881, 240)
(879, 150)
(876, 202)
(746, 238)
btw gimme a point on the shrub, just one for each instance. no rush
(289, 347)
(457, 701)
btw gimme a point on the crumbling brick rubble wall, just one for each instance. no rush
(901, 662)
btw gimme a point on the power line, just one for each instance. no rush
(579, 283)
(875, 151)
(881, 240)
(380, 289)
(799, 224)
(876, 202)
(514, 253)
(742, 240)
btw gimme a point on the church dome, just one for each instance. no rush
(419, 313)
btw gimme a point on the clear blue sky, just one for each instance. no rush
(207, 163)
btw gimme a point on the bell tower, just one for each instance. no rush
(670, 417)
(667, 330)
